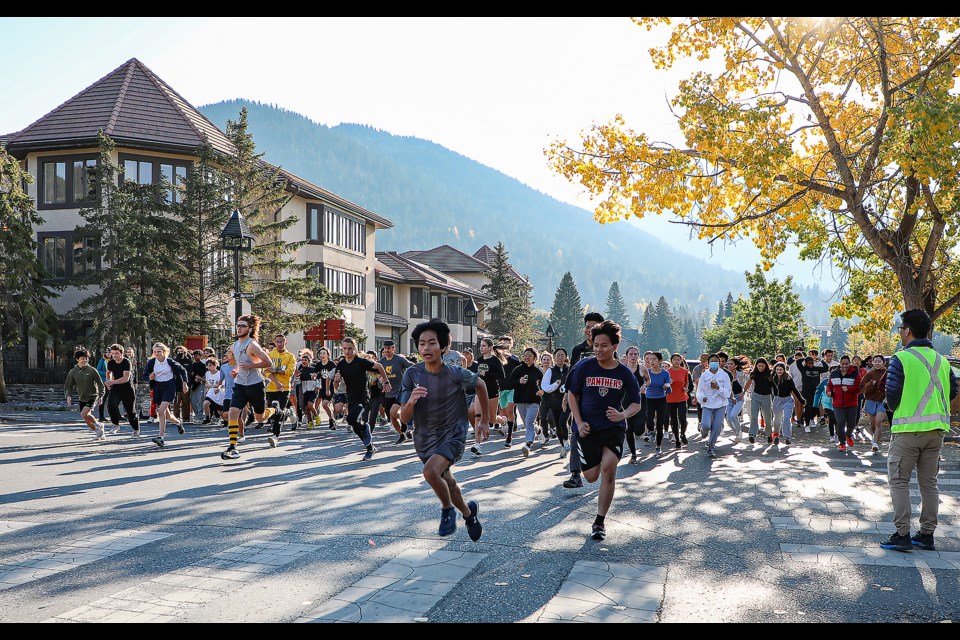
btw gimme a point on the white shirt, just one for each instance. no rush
(707, 396)
(215, 392)
(162, 371)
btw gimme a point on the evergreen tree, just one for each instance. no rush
(285, 294)
(721, 314)
(210, 270)
(616, 307)
(765, 323)
(660, 332)
(838, 337)
(511, 312)
(566, 315)
(137, 295)
(24, 298)
(728, 306)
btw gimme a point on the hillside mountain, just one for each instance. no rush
(436, 196)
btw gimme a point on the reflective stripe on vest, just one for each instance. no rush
(935, 384)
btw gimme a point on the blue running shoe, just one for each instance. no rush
(448, 521)
(367, 437)
(474, 528)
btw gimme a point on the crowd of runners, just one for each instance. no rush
(590, 402)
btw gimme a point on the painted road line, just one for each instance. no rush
(71, 554)
(168, 597)
(607, 592)
(9, 526)
(873, 555)
(402, 590)
(850, 525)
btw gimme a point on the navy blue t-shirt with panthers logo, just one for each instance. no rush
(597, 389)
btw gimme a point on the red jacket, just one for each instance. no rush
(844, 389)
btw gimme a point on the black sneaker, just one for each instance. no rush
(769, 439)
(476, 451)
(573, 482)
(683, 438)
(259, 425)
(158, 441)
(599, 533)
(474, 528)
(752, 439)
(776, 440)
(370, 451)
(897, 542)
(230, 454)
(206, 420)
(401, 439)
(448, 521)
(924, 541)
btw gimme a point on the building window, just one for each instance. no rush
(347, 283)
(146, 170)
(384, 298)
(342, 230)
(67, 183)
(438, 306)
(453, 310)
(416, 302)
(53, 256)
(314, 214)
(59, 262)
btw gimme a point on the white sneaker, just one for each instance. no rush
(152, 420)
(136, 434)
(525, 450)
(99, 432)
(807, 429)
(833, 440)
(241, 439)
(115, 430)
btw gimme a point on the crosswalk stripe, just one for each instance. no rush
(839, 506)
(402, 590)
(851, 525)
(167, 597)
(607, 592)
(827, 554)
(71, 554)
(9, 526)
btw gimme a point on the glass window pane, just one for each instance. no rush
(146, 173)
(79, 263)
(54, 182)
(130, 170)
(179, 184)
(60, 261)
(166, 175)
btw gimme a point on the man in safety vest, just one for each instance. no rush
(917, 393)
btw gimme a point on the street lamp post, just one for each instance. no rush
(550, 334)
(236, 237)
(470, 312)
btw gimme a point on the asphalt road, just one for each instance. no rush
(122, 531)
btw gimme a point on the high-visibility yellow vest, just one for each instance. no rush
(925, 403)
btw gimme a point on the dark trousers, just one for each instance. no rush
(357, 419)
(122, 394)
(282, 398)
(678, 417)
(373, 411)
(103, 403)
(574, 439)
(657, 418)
(809, 410)
(635, 427)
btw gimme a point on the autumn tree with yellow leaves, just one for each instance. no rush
(839, 135)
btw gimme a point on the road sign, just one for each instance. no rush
(244, 295)
(333, 328)
(314, 333)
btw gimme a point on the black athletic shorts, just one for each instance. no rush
(91, 404)
(309, 396)
(215, 407)
(252, 393)
(592, 446)
(388, 403)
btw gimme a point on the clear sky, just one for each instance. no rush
(497, 90)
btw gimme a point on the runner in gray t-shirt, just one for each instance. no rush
(394, 366)
(433, 394)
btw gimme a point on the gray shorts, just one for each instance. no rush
(451, 444)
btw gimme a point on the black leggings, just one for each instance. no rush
(635, 427)
(678, 417)
(122, 394)
(657, 418)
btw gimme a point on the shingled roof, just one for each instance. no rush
(394, 267)
(486, 255)
(448, 259)
(133, 106)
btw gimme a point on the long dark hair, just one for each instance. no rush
(767, 373)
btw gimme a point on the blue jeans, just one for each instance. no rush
(734, 407)
(782, 411)
(528, 412)
(760, 403)
(712, 419)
